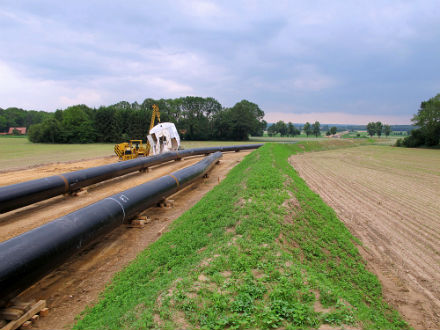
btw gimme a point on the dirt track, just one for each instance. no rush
(77, 283)
(390, 199)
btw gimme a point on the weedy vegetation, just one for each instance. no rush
(261, 250)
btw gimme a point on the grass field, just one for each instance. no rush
(302, 137)
(261, 250)
(18, 152)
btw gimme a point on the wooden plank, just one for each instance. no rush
(11, 313)
(24, 305)
(26, 316)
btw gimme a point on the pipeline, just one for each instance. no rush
(26, 258)
(29, 192)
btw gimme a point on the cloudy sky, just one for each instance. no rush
(332, 61)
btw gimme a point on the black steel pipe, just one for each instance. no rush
(29, 192)
(28, 257)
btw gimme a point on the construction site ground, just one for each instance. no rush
(77, 283)
(390, 199)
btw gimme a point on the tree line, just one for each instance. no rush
(196, 118)
(16, 117)
(427, 121)
(291, 130)
(377, 128)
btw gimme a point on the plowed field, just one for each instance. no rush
(390, 199)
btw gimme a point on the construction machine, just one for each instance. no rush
(161, 138)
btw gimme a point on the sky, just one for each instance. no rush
(347, 62)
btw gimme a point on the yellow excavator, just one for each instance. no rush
(135, 148)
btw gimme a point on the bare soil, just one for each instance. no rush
(390, 199)
(77, 283)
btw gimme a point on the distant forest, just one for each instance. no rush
(196, 118)
(348, 127)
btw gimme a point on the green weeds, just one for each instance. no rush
(261, 250)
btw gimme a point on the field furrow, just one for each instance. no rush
(390, 199)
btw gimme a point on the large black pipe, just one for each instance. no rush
(28, 257)
(29, 192)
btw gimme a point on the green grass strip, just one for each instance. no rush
(261, 250)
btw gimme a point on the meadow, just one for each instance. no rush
(19, 152)
(264, 252)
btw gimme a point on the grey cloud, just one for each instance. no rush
(363, 57)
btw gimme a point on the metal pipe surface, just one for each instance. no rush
(28, 257)
(29, 192)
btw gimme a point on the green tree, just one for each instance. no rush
(197, 116)
(307, 129)
(428, 119)
(371, 128)
(317, 128)
(223, 125)
(246, 119)
(107, 126)
(49, 131)
(282, 128)
(387, 130)
(78, 126)
(379, 127)
(333, 130)
(272, 130)
(290, 129)
(3, 124)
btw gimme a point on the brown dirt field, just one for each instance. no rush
(77, 283)
(390, 199)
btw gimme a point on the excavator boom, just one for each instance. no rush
(161, 138)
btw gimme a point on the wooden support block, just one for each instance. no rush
(26, 325)
(23, 322)
(44, 312)
(166, 203)
(139, 223)
(35, 318)
(78, 192)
